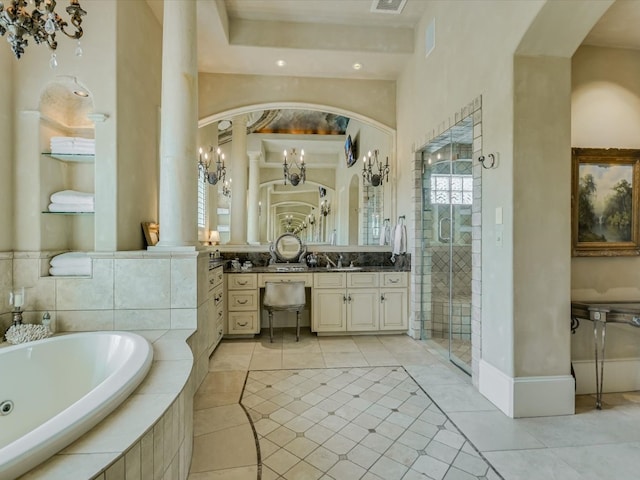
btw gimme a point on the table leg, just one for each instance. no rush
(599, 345)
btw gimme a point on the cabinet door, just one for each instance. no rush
(393, 309)
(362, 310)
(329, 310)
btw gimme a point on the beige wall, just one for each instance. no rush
(606, 114)
(6, 148)
(372, 99)
(139, 72)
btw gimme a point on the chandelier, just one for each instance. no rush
(370, 164)
(205, 163)
(42, 23)
(294, 177)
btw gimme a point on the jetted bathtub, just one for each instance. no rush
(53, 391)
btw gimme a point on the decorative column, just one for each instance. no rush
(253, 229)
(179, 123)
(238, 165)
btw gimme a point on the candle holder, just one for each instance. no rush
(16, 300)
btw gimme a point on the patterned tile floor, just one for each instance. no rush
(437, 433)
(349, 423)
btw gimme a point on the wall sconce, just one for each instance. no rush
(259, 208)
(204, 163)
(214, 237)
(325, 208)
(370, 163)
(294, 177)
(311, 218)
(226, 188)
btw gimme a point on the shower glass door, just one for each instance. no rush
(447, 186)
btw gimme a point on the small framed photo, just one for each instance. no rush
(151, 233)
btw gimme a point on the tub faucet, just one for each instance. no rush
(330, 263)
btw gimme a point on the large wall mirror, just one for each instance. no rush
(335, 203)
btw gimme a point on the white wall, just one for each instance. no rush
(6, 148)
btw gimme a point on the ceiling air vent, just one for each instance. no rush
(388, 6)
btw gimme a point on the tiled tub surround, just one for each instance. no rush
(150, 434)
(160, 295)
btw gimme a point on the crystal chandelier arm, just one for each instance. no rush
(75, 12)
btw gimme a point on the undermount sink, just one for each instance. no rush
(345, 269)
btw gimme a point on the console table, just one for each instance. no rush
(601, 313)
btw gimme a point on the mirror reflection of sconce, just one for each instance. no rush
(294, 178)
(226, 188)
(204, 162)
(325, 208)
(370, 163)
(259, 208)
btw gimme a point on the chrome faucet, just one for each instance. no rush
(330, 263)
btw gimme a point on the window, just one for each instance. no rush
(451, 189)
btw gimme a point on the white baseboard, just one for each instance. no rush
(527, 396)
(620, 375)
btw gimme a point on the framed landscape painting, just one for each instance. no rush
(605, 202)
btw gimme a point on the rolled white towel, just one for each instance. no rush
(384, 235)
(71, 259)
(71, 207)
(72, 196)
(70, 271)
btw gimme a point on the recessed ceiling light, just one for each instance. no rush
(357, 66)
(81, 93)
(281, 63)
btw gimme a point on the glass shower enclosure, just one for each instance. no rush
(447, 199)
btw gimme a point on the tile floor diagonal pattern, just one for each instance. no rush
(351, 423)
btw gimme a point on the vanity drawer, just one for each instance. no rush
(242, 281)
(330, 280)
(243, 322)
(307, 278)
(362, 280)
(393, 279)
(242, 300)
(218, 295)
(215, 277)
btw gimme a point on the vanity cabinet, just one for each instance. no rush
(243, 304)
(345, 302)
(393, 301)
(359, 302)
(215, 329)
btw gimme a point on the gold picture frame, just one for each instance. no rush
(151, 233)
(605, 198)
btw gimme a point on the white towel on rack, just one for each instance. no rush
(385, 235)
(56, 207)
(399, 239)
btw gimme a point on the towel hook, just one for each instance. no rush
(490, 159)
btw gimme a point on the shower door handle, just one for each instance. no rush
(440, 230)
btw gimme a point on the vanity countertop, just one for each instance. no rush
(283, 269)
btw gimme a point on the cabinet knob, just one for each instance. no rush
(382, 297)
(344, 299)
(349, 298)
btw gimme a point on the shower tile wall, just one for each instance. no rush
(461, 304)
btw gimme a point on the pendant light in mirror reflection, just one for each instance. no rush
(294, 177)
(370, 164)
(204, 162)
